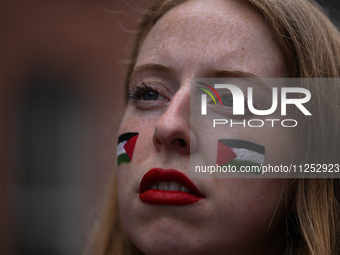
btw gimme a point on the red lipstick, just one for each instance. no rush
(151, 195)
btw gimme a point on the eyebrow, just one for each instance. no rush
(237, 74)
(229, 74)
(152, 68)
(211, 73)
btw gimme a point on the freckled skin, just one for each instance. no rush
(233, 219)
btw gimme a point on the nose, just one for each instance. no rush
(172, 129)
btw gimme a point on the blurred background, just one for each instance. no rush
(62, 66)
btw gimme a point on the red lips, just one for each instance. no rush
(167, 197)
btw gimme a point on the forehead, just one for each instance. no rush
(214, 32)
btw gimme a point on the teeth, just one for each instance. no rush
(175, 186)
(184, 189)
(163, 185)
(170, 186)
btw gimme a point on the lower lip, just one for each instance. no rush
(165, 197)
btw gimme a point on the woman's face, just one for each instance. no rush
(235, 216)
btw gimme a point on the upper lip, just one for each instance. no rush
(158, 174)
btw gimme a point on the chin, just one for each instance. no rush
(166, 236)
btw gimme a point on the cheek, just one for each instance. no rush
(267, 145)
(129, 169)
(144, 127)
(136, 122)
(253, 205)
(280, 145)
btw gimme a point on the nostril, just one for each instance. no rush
(179, 143)
(182, 143)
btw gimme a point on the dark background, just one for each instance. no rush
(62, 67)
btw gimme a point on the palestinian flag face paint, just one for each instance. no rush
(239, 153)
(126, 146)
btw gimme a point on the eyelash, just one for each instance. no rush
(228, 93)
(136, 91)
(225, 93)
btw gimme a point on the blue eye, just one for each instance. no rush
(150, 95)
(144, 91)
(227, 101)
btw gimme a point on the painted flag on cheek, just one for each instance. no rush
(239, 153)
(126, 146)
